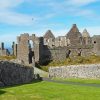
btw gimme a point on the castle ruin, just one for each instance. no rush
(50, 47)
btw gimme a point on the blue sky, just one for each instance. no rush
(37, 16)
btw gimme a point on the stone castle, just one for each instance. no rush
(49, 47)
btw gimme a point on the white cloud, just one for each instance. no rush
(15, 18)
(69, 7)
(6, 4)
(81, 2)
(8, 16)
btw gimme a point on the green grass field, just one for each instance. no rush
(50, 91)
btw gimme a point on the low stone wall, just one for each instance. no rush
(76, 71)
(12, 73)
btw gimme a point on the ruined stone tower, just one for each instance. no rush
(24, 45)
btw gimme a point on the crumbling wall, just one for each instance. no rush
(23, 47)
(60, 53)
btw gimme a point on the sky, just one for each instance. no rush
(38, 16)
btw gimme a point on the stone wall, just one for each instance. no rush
(96, 44)
(24, 45)
(76, 71)
(58, 53)
(61, 52)
(11, 73)
(23, 48)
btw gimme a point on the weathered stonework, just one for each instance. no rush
(96, 44)
(11, 73)
(74, 36)
(76, 71)
(50, 48)
(24, 45)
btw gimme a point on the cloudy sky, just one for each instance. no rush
(37, 16)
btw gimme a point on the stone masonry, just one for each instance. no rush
(96, 44)
(24, 45)
(50, 47)
(76, 71)
(12, 73)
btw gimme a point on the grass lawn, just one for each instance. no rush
(50, 91)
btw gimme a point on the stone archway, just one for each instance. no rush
(25, 43)
(31, 55)
(31, 44)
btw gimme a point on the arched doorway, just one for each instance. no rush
(31, 52)
(31, 45)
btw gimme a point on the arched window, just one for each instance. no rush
(31, 45)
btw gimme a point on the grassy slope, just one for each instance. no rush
(93, 59)
(50, 91)
(77, 60)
